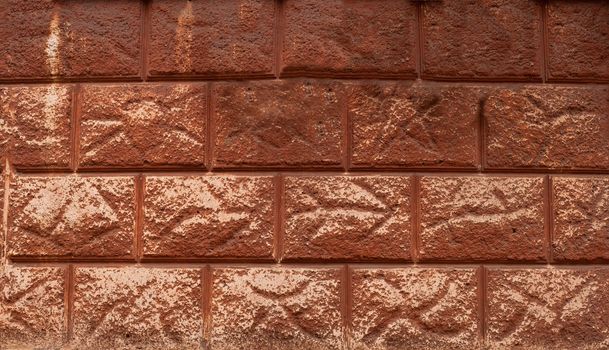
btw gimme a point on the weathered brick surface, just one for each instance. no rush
(143, 125)
(416, 308)
(484, 217)
(349, 37)
(233, 37)
(581, 218)
(214, 216)
(278, 123)
(32, 307)
(578, 33)
(547, 309)
(356, 217)
(137, 308)
(161, 191)
(408, 125)
(481, 39)
(35, 124)
(72, 216)
(69, 38)
(276, 308)
(548, 127)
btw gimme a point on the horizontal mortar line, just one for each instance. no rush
(154, 80)
(310, 172)
(325, 263)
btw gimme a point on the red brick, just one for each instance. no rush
(547, 309)
(231, 37)
(416, 308)
(35, 125)
(408, 125)
(214, 216)
(355, 217)
(482, 39)
(278, 123)
(137, 308)
(581, 218)
(71, 216)
(143, 125)
(32, 307)
(548, 127)
(578, 39)
(482, 218)
(276, 308)
(349, 37)
(2, 237)
(69, 38)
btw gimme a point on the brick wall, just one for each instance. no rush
(304, 174)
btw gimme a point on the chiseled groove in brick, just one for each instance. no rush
(415, 217)
(278, 33)
(75, 128)
(544, 52)
(548, 216)
(140, 192)
(280, 217)
(145, 38)
(210, 124)
(418, 45)
(482, 303)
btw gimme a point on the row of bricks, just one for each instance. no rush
(306, 218)
(306, 124)
(503, 39)
(304, 308)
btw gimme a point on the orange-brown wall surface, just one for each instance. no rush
(304, 174)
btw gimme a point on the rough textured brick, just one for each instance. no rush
(415, 309)
(217, 216)
(31, 307)
(408, 125)
(69, 38)
(581, 218)
(551, 127)
(71, 216)
(137, 308)
(278, 123)
(548, 309)
(496, 218)
(481, 39)
(349, 37)
(143, 125)
(578, 39)
(35, 125)
(353, 217)
(211, 37)
(276, 308)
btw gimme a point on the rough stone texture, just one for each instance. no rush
(2, 236)
(482, 39)
(143, 125)
(578, 39)
(548, 309)
(417, 308)
(231, 37)
(72, 216)
(35, 125)
(215, 216)
(550, 127)
(137, 308)
(349, 37)
(276, 308)
(581, 218)
(408, 125)
(278, 123)
(32, 307)
(482, 218)
(69, 38)
(354, 217)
